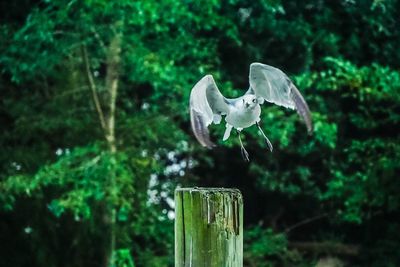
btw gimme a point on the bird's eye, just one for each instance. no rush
(254, 100)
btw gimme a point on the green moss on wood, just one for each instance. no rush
(208, 227)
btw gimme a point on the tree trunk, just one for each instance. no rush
(111, 83)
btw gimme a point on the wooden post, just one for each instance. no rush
(208, 227)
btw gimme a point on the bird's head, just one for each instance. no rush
(250, 101)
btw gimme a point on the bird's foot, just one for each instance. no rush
(269, 144)
(245, 154)
(265, 137)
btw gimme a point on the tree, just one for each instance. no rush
(95, 132)
(76, 59)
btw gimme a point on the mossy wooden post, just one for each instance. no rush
(208, 227)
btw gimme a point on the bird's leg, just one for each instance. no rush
(244, 152)
(266, 138)
(227, 132)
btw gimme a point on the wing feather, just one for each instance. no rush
(206, 104)
(275, 86)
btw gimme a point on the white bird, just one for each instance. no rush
(208, 105)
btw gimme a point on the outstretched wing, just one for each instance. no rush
(207, 104)
(275, 86)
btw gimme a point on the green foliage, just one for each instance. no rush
(123, 258)
(373, 92)
(64, 191)
(265, 248)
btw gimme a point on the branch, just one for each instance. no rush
(93, 88)
(65, 93)
(306, 221)
(97, 36)
(326, 247)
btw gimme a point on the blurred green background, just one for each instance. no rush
(95, 133)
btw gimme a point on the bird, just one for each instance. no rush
(267, 84)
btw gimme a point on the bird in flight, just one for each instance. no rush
(267, 83)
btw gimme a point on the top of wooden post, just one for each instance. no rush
(210, 189)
